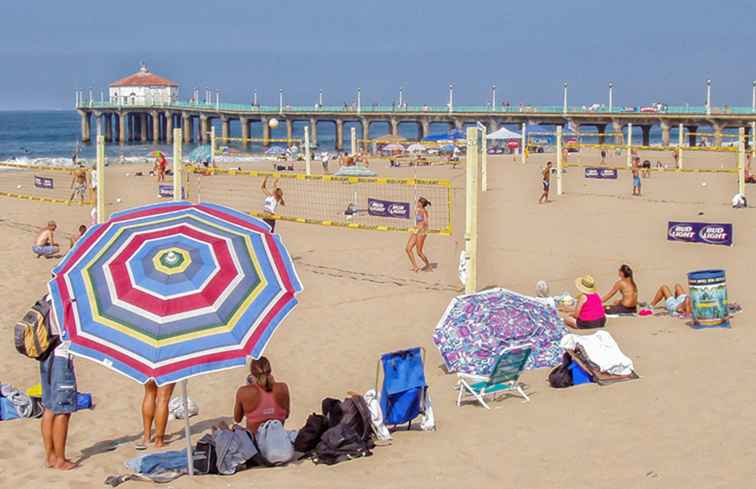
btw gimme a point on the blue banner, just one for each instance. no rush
(700, 232)
(166, 191)
(387, 208)
(603, 173)
(44, 182)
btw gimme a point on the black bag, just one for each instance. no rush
(309, 436)
(205, 458)
(561, 375)
(339, 444)
(332, 411)
(357, 416)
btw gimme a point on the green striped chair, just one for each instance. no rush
(503, 379)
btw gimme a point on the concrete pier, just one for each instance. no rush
(153, 123)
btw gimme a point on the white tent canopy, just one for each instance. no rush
(504, 133)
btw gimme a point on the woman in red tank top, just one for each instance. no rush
(262, 398)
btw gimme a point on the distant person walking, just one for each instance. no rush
(636, 177)
(546, 184)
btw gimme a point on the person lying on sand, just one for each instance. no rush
(589, 311)
(45, 244)
(628, 290)
(677, 302)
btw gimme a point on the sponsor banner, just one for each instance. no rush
(700, 232)
(387, 208)
(44, 182)
(166, 190)
(603, 173)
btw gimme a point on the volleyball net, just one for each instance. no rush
(54, 185)
(368, 203)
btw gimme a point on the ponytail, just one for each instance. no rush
(260, 371)
(628, 273)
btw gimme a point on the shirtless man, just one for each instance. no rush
(546, 184)
(45, 244)
(636, 177)
(79, 184)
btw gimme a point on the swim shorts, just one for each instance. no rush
(546, 185)
(58, 384)
(44, 250)
(592, 324)
(673, 303)
(636, 181)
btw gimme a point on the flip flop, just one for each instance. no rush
(140, 445)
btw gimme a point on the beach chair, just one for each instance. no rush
(503, 379)
(404, 390)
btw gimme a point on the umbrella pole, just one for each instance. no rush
(187, 429)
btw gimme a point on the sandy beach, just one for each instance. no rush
(688, 422)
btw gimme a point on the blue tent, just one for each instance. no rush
(275, 150)
(446, 136)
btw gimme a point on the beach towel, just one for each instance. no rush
(376, 416)
(157, 463)
(602, 350)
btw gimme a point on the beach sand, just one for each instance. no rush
(688, 422)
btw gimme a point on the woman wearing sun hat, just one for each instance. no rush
(589, 310)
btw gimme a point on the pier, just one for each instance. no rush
(154, 122)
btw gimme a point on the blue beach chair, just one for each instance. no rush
(502, 380)
(404, 387)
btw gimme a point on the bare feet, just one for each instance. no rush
(159, 442)
(51, 461)
(415, 269)
(64, 464)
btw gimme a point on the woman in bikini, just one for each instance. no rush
(628, 290)
(417, 238)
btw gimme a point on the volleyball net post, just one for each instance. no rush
(100, 179)
(680, 142)
(560, 163)
(353, 140)
(308, 155)
(741, 160)
(483, 158)
(629, 156)
(523, 143)
(213, 143)
(471, 210)
(178, 165)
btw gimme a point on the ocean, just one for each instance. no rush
(51, 137)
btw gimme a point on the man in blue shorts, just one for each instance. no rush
(45, 244)
(636, 177)
(59, 400)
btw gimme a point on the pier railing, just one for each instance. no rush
(430, 109)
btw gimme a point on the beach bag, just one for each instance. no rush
(331, 409)
(205, 458)
(33, 336)
(309, 436)
(561, 375)
(339, 444)
(357, 416)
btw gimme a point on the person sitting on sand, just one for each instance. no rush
(76, 236)
(155, 408)
(589, 310)
(265, 404)
(45, 244)
(628, 290)
(677, 302)
(419, 234)
(272, 199)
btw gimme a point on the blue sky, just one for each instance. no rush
(661, 50)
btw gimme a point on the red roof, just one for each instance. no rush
(144, 78)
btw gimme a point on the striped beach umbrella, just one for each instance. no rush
(174, 290)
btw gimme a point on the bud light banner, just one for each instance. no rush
(43, 182)
(166, 191)
(603, 173)
(700, 232)
(387, 208)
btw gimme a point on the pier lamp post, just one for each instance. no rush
(753, 96)
(611, 97)
(280, 100)
(401, 97)
(91, 95)
(451, 97)
(564, 98)
(359, 100)
(207, 95)
(254, 97)
(708, 97)
(320, 99)
(493, 98)
(217, 99)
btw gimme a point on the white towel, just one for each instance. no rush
(601, 350)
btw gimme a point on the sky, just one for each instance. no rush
(662, 50)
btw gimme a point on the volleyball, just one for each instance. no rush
(19, 186)
(273, 123)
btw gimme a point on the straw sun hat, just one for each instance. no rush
(585, 284)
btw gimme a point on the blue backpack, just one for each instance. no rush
(404, 387)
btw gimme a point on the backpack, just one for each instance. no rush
(357, 416)
(204, 457)
(332, 410)
(33, 335)
(339, 444)
(561, 375)
(310, 434)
